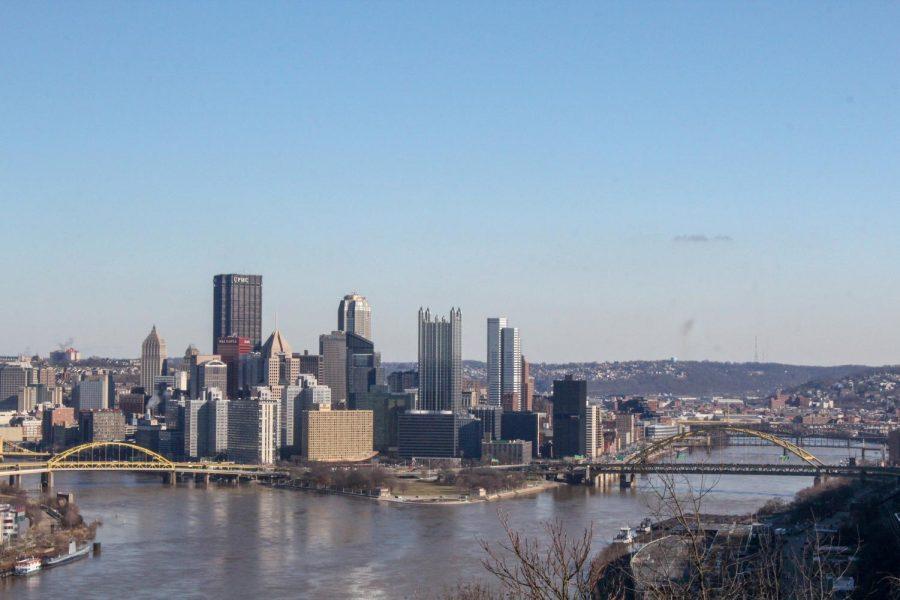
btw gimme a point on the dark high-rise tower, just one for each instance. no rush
(237, 308)
(569, 413)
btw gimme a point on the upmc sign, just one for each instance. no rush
(240, 280)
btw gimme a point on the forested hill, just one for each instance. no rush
(688, 378)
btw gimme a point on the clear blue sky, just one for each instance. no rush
(546, 161)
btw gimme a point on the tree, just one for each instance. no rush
(525, 568)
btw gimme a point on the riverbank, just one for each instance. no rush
(438, 499)
(47, 527)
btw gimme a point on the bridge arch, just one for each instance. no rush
(645, 454)
(112, 455)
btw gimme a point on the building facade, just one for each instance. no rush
(153, 358)
(355, 316)
(254, 432)
(440, 361)
(333, 349)
(569, 410)
(237, 308)
(336, 435)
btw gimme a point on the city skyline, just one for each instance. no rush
(622, 181)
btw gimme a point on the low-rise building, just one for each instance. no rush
(336, 435)
(506, 452)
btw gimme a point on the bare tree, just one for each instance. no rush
(559, 569)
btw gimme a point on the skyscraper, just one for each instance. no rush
(494, 359)
(527, 387)
(440, 361)
(231, 349)
(333, 348)
(237, 308)
(363, 367)
(511, 366)
(355, 316)
(569, 414)
(504, 364)
(153, 355)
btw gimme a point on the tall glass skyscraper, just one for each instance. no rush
(237, 308)
(355, 316)
(504, 363)
(440, 361)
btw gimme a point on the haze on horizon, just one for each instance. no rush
(621, 181)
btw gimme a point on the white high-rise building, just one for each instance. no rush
(153, 355)
(494, 361)
(355, 316)
(504, 364)
(593, 431)
(511, 365)
(254, 429)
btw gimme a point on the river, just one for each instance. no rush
(187, 542)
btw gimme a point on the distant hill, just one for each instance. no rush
(686, 378)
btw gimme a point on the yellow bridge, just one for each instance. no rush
(121, 456)
(648, 452)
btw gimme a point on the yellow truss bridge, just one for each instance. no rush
(647, 453)
(124, 456)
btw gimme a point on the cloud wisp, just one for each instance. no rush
(699, 238)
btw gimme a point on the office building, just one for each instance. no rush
(153, 358)
(333, 349)
(363, 367)
(196, 432)
(280, 366)
(132, 404)
(206, 425)
(237, 308)
(61, 417)
(217, 424)
(657, 431)
(336, 435)
(13, 378)
(440, 361)
(470, 399)
(504, 364)
(527, 399)
(506, 452)
(593, 431)
(491, 421)
(355, 316)
(494, 362)
(230, 349)
(311, 364)
(894, 447)
(254, 432)
(386, 407)
(400, 381)
(107, 425)
(569, 408)
(211, 374)
(523, 426)
(427, 434)
(92, 393)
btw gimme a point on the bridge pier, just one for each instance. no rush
(169, 478)
(202, 479)
(15, 481)
(47, 481)
(626, 480)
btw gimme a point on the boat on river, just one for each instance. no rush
(27, 566)
(73, 554)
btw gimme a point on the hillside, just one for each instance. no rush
(688, 378)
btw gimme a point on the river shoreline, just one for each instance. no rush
(424, 500)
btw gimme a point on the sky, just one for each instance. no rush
(622, 180)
